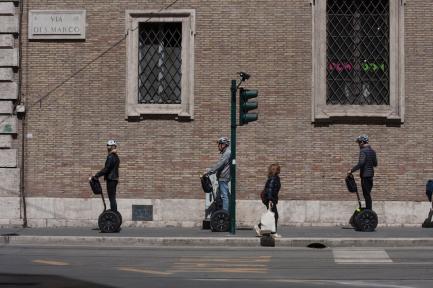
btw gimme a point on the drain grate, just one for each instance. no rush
(316, 245)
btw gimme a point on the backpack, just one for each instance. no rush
(95, 185)
(206, 184)
(429, 189)
(351, 184)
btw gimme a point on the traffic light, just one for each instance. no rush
(245, 106)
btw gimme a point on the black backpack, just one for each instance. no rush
(206, 184)
(95, 185)
(351, 184)
(429, 189)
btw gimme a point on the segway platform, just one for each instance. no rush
(108, 221)
(219, 219)
(429, 192)
(362, 219)
(267, 240)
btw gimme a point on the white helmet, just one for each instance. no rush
(223, 140)
(362, 139)
(111, 142)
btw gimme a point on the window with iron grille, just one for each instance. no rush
(160, 63)
(357, 71)
(358, 60)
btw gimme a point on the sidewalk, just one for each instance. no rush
(292, 237)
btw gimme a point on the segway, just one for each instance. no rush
(219, 218)
(109, 221)
(429, 192)
(267, 240)
(363, 219)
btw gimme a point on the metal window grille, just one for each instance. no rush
(159, 63)
(357, 52)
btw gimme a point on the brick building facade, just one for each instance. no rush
(77, 94)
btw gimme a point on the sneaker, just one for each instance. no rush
(258, 232)
(276, 235)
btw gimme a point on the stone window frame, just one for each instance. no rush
(321, 112)
(185, 110)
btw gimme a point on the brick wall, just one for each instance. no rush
(271, 40)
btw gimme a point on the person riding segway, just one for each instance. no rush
(428, 222)
(109, 220)
(220, 218)
(364, 219)
(216, 218)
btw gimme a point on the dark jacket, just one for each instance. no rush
(367, 160)
(111, 168)
(272, 187)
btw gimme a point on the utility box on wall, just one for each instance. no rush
(142, 212)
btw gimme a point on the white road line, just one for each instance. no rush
(337, 283)
(360, 256)
(143, 271)
(50, 262)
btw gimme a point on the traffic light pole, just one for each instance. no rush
(232, 206)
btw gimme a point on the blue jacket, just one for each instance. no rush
(367, 162)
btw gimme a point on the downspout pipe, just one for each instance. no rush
(23, 117)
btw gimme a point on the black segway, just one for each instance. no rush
(429, 192)
(267, 240)
(363, 219)
(219, 218)
(108, 221)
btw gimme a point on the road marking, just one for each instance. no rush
(264, 259)
(368, 284)
(192, 264)
(360, 256)
(144, 271)
(258, 264)
(221, 270)
(337, 283)
(50, 262)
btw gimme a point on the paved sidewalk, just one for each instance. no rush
(335, 236)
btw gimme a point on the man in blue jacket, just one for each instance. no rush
(367, 162)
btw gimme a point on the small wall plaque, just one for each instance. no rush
(57, 24)
(142, 212)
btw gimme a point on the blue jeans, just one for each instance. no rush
(224, 192)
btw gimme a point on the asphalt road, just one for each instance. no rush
(210, 267)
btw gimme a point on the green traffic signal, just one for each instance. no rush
(245, 106)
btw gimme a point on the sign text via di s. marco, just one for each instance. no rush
(57, 24)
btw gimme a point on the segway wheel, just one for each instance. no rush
(427, 224)
(118, 214)
(220, 221)
(267, 241)
(353, 217)
(366, 220)
(109, 222)
(206, 225)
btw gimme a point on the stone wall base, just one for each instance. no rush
(76, 212)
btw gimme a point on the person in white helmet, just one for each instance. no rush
(222, 170)
(367, 162)
(111, 173)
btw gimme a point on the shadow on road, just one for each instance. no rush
(44, 281)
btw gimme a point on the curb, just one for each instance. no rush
(108, 241)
